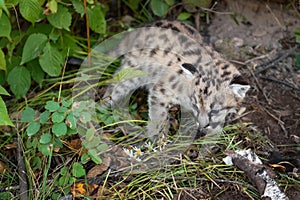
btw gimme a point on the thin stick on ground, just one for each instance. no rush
(22, 172)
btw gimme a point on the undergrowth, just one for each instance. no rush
(51, 110)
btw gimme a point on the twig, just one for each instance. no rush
(279, 82)
(275, 17)
(259, 86)
(22, 172)
(271, 63)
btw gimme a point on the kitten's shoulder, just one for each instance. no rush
(178, 26)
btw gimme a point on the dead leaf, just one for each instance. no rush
(97, 170)
(3, 167)
(80, 189)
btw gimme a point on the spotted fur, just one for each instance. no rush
(179, 69)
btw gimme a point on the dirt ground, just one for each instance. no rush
(259, 38)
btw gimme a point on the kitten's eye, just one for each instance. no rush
(215, 111)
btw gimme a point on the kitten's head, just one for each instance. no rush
(215, 95)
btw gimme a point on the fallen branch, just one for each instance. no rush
(257, 173)
(22, 172)
(271, 63)
(279, 82)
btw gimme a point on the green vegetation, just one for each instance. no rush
(42, 105)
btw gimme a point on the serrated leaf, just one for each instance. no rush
(57, 117)
(51, 60)
(61, 19)
(97, 20)
(78, 170)
(19, 81)
(52, 106)
(2, 60)
(33, 47)
(5, 27)
(44, 116)
(28, 115)
(33, 128)
(4, 119)
(46, 138)
(30, 10)
(59, 129)
(159, 7)
(78, 7)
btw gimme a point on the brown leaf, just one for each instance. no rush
(97, 170)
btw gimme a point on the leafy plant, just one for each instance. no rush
(4, 120)
(58, 120)
(46, 45)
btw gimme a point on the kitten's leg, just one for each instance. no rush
(158, 124)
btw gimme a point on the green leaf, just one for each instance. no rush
(58, 117)
(159, 7)
(93, 153)
(68, 103)
(71, 121)
(62, 109)
(46, 138)
(44, 116)
(36, 71)
(84, 158)
(30, 10)
(19, 81)
(129, 73)
(170, 2)
(45, 149)
(52, 4)
(184, 16)
(102, 147)
(62, 19)
(89, 134)
(51, 60)
(33, 128)
(52, 106)
(78, 7)
(33, 47)
(78, 170)
(59, 129)
(97, 20)
(2, 59)
(4, 119)
(3, 7)
(3, 91)
(28, 115)
(5, 27)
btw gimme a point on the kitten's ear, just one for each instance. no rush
(239, 87)
(189, 70)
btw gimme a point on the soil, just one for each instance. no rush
(251, 34)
